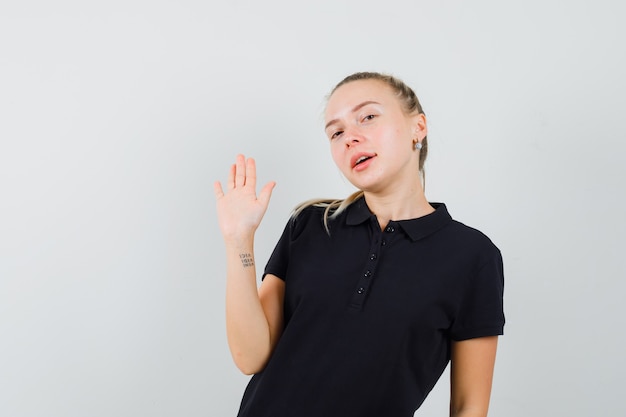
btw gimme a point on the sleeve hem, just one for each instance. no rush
(481, 332)
(271, 273)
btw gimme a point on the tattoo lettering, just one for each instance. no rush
(246, 260)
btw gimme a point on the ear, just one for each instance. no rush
(419, 125)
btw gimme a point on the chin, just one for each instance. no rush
(367, 187)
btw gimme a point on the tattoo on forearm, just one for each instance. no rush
(246, 260)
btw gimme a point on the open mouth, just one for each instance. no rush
(362, 159)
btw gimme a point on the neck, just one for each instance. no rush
(400, 205)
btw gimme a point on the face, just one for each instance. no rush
(372, 138)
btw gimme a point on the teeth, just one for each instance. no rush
(361, 159)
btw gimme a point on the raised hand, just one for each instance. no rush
(239, 210)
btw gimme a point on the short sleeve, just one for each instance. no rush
(279, 260)
(481, 311)
(278, 263)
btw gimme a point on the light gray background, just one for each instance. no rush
(116, 117)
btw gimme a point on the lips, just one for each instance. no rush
(360, 158)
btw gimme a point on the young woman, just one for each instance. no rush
(364, 301)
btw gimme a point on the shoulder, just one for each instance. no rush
(463, 242)
(478, 253)
(309, 218)
(441, 229)
(470, 237)
(306, 214)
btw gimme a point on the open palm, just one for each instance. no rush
(239, 209)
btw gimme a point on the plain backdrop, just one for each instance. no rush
(116, 118)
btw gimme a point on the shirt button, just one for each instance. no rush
(373, 256)
(367, 274)
(390, 229)
(384, 242)
(361, 290)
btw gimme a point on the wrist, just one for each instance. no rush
(239, 243)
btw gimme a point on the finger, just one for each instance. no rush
(240, 171)
(266, 193)
(217, 189)
(251, 173)
(231, 177)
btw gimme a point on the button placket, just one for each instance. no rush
(368, 274)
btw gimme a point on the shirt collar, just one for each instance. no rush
(416, 229)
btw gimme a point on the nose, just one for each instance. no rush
(352, 137)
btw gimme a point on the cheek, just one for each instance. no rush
(403, 138)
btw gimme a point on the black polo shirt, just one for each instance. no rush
(369, 314)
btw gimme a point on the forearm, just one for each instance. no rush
(246, 325)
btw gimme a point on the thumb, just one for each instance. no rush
(266, 193)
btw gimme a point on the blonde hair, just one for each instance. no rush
(410, 104)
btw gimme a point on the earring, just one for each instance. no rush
(418, 145)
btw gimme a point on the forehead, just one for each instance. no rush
(347, 96)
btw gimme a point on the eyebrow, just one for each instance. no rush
(356, 108)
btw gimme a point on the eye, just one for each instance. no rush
(369, 117)
(336, 134)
